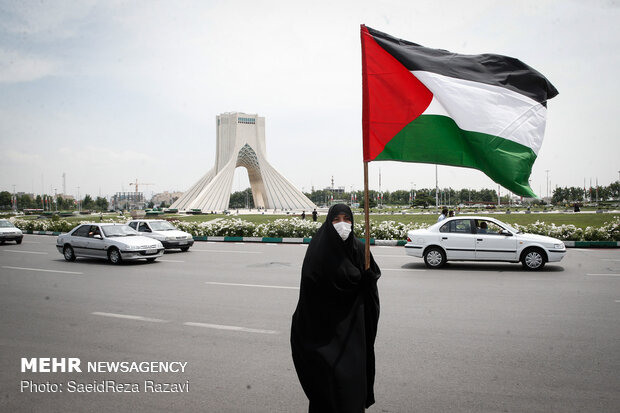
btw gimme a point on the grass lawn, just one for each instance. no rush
(581, 220)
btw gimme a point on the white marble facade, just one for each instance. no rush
(241, 142)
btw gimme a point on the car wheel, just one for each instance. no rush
(68, 253)
(150, 260)
(533, 259)
(184, 249)
(434, 257)
(18, 241)
(114, 255)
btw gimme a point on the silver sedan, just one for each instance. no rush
(114, 242)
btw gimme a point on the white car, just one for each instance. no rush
(164, 232)
(477, 238)
(9, 232)
(114, 242)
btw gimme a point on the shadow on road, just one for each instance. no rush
(483, 266)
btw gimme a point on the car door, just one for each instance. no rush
(457, 239)
(79, 240)
(96, 244)
(144, 229)
(492, 244)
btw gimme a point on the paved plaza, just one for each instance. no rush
(470, 337)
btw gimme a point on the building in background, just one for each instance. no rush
(128, 201)
(166, 197)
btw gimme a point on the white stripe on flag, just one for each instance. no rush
(494, 110)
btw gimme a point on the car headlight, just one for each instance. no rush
(558, 246)
(170, 238)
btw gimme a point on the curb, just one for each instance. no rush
(592, 244)
(378, 242)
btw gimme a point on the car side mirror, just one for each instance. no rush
(506, 232)
(148, 230)
(97, 236)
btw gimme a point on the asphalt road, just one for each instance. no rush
(466, 338)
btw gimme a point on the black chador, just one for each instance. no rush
(335, 323)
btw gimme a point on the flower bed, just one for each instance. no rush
(298, 228)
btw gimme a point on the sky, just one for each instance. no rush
(109, 92)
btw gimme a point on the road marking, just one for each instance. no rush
(129, 317)
(42, 270)
(27, 252)
(230, 328)
(160, 260)
(618, 301)
(397, 256)
(229, 251)
(400, 269)
(610, 259)
(253, 285)
(604, 275)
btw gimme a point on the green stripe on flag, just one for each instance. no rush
(438, 139)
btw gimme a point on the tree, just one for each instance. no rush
(241, 198)
(88, 202)
(101, 203)
(5, 200)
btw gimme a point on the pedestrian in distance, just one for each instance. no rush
(315, 215)
(335, 323)
(444, 214)
(451, 213)
(303, 214)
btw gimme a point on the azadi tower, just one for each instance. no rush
(241, 142)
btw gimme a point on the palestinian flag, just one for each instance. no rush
(485, 112)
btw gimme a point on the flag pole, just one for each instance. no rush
(366, 218)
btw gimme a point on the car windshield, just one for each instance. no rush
(162, 226)
(119, 231)
(6, 224)
(508, 227)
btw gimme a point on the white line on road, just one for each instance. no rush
(27, 252)
(160, 260)
(42, 270)
(129, 317)
(229, 251)
(618, 301)
(610, 259)
(400, 269)
(231, 328)
(392, 255)
(253, 285)
(603, 275)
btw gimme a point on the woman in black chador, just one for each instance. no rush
(335, 323)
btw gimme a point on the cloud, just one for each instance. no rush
(12, 156)
(49, 20)
(16, 67)
(97, 157)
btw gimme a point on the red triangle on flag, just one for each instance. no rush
(393, 96)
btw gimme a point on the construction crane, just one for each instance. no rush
(136, 184)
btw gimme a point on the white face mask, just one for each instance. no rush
(343, 229)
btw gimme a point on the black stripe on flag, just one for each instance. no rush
(491, 69)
